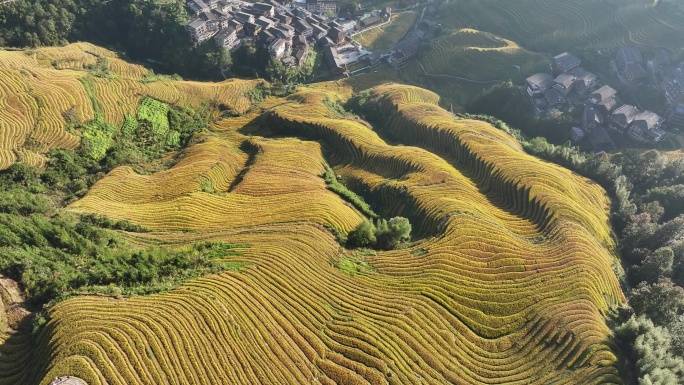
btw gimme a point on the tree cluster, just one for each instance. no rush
(255, 61)
(382, 234)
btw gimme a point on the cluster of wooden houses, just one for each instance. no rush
(669, 77)
(603, 110)
(232, 23)
(288, 32)
(564, 76)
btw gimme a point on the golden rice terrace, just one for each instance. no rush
(509, 280)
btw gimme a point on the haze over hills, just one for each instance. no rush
(458, 69)
(509, 281)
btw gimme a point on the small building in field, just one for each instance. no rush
(403, 52)
(369, 22)
(628, 55)
(634, 72)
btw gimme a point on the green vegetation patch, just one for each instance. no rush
(53, 253)
(156, 113)
(97, 138)
(129, 125)
(382, 234)
(338, 188)
(355, 263)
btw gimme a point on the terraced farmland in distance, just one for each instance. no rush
(479, 60)
(43, 91)
(385, 37)
(555, 25)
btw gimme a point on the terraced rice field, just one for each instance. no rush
(479, 60)
(481, 56)
(556, 25)
(43, 91)
(509, 284)
(385, 37)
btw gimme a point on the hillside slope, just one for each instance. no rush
(556, 25)
(510, 282)
(44, 92)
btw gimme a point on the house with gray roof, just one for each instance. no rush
(226, 38)
(264, 9)
(628, 55)
(302, 27)
(623, 116)
(318, 32)
(646, 127)
(538, 83)
(607, 106)
(601, 139)
(603, 93)
(554, 98)
(584, 80)
(563, 83)
(564, 63)
(592, 117)
(332, 59)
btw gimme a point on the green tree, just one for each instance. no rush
(363, 235)
(656, 265)
(390, 233)
(652, 349)
(662, 302)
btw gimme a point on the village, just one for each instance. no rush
(291, 29)
(288, 30)
(605, 117)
